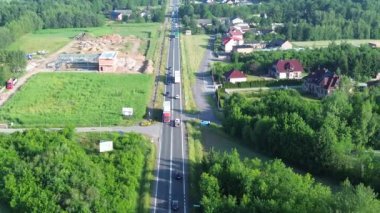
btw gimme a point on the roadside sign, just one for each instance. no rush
(105, 146)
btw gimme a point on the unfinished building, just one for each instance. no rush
(106, 61)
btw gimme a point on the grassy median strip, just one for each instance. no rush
(192, 52)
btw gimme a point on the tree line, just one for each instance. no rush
(47, 171)
(11, 64)
(332, 137)
(20, 17)
(302, 19)
(360, 63)
(229, 184)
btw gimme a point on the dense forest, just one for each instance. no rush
(303, 19)
(229, 184)
(332, 137)
(51, 172)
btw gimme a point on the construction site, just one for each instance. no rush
(110, 53)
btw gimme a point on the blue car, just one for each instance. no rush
(205, 123)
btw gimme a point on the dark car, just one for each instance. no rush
(178, 175)
(167, 93)
(175, 205)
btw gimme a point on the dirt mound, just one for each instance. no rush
(113, 38)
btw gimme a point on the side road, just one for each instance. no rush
(204, 87)
(151, 131)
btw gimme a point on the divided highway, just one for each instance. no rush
(172, 147)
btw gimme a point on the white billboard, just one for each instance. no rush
(105, 146)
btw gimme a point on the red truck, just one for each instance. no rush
(166, 112)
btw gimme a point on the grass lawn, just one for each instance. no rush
(325, 43)
(192, 51)
(54, 39)
(80, 99)
(254, 78)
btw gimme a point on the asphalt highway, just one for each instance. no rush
(172, 148)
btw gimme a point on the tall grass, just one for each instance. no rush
(195, 159)
(82, 99)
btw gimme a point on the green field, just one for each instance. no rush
(81, 99)
(54, 39)
(192, 52)
(317, 44)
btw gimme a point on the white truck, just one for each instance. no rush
(177, 76)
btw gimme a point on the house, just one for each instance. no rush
(280, 44)
(248, 48)
(374, 44)
(116, 16)
(235, 76)
(127, 13)
(277, 25)
(108, 61)
(244, 27)
(229, 43)
(237, 21)
(236, 34)
(321, 83)
(204, 22)
(286, 69)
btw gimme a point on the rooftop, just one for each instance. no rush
(108, 55)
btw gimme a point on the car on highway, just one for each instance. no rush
(205, 123)
(175, 205)
(167, 94)
(178, 175)
(177, 122)
(176, 96)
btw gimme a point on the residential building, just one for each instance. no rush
(116, 16)
(229, 43)
(287, 69)
(236, 34)
(237, 21)
(244, 27)
(280, 44)
(235, 76)
(249, 48)
(321, 83)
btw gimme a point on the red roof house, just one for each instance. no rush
(321, 83)
(234, 76)
(287, 69)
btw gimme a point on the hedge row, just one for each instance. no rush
(263, 83)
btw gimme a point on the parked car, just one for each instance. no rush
(205, 123)
(175, 205)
